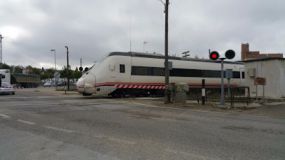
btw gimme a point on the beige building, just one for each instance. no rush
(271, 72)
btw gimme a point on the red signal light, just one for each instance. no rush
(214, 55)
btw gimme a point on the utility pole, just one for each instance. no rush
(1, 48)
(167, 91)
(185, 54)
(67, 67)
(144, 43)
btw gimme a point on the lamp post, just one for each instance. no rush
(1, 37)
(67, 67)
(54, 52)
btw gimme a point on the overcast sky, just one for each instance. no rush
(93, 28)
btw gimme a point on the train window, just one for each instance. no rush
(211, 73)
(136, 70)
(157, 71)
(242, 75)
(122, 68)
(236, 74)
(180, 72)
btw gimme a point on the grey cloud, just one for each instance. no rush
(92, 28)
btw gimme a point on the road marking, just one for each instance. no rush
(59, 129)
(192, 155)
(4, 116)
(155, 106)
(169, 107)
(118, 140)
(26, 122)
(98, 136)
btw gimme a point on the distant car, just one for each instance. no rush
(47, 84)
(7, 88)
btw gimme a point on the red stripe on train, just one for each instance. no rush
(138, 85)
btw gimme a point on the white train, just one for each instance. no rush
(124, 72)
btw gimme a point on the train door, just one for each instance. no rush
(242, 75)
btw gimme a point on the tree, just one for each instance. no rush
(77, 73)
(17, 69)
(4, 66)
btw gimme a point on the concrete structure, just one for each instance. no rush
(246, 54)
(6, 75)
(272, 70)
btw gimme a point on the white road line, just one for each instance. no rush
(4, 116)
(118, 140)
(26, 122)
(190, 155)
(156, 106)
(98, 136)
(59, 129)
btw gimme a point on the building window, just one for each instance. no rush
(122, 68)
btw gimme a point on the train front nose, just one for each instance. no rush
(80, 85)
(86, 85)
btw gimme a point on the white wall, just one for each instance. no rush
(7, 74)
(274, 73)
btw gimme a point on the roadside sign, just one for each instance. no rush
(56, 75)
(259, 81)
(229, 73)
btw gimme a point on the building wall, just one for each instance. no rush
(274, 73)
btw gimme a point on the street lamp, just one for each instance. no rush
(54, 52)
(1, 37)
(67, 67)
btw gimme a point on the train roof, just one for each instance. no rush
(160, 56)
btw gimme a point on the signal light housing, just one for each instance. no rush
(230, 54)
(214, 55)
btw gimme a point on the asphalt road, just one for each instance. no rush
(47, 126)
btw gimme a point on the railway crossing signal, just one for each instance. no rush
(80, 69)
(230, 54)
(214, 55)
